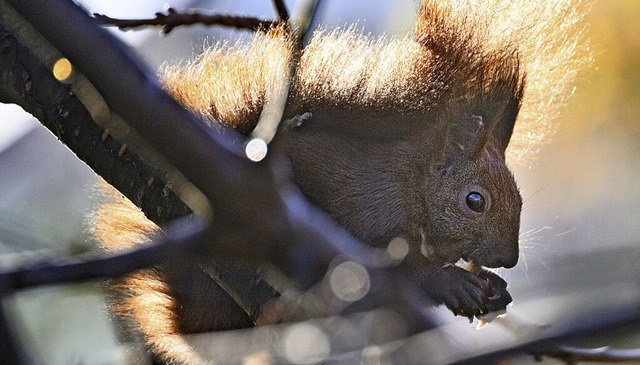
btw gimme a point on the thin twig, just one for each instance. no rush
(174, 18)
(273, 110)
(572, 355)
(11, 351)
(548, 343)
(183, 237)
(281, 9)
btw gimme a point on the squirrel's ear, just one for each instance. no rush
(466, 137)
(502, 123)
(489, 120)
(470, 135)
(463, 139)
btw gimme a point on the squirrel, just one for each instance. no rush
(404, 137)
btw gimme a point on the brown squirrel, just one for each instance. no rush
(403, 137)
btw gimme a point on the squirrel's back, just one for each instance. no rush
(544, 40)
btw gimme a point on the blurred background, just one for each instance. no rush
(580, 222)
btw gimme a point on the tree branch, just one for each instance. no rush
(11, 351)
(249, 198)
(60, 109)
(572, 355)
(174, 18)
(281, 10)
(592, 325)
(183, 237)
(260, 219)
(28, 83)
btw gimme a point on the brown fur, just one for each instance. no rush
(148, 300)
(341, 67)
(386, 114)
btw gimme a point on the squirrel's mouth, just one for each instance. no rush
(476, 253)
(468, 265)
(492, 259)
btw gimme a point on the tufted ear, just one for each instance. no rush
(503, 123)
(463, 139)
(477, 125)
(501, 108)
(468, 136)
(490, 118)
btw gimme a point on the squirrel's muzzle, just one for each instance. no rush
(502, 257)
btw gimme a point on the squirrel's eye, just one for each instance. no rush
(475, 201)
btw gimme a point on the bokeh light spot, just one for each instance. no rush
(256, 149)
(350, 281)
(398, 249)
(62, 69)
(305, 343)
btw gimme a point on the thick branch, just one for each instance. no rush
(60, 110)
(26, 82)
(11, 352)
(258, 219)
(261, 220)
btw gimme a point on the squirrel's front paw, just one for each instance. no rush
(495, 290)
(466, 293)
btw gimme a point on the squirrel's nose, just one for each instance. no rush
(505, 257)
(508, 261)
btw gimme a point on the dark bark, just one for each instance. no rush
(32, 86)
(28, 83)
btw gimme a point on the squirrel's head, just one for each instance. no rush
(472, 208)
(439, 181)
(424, 161)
